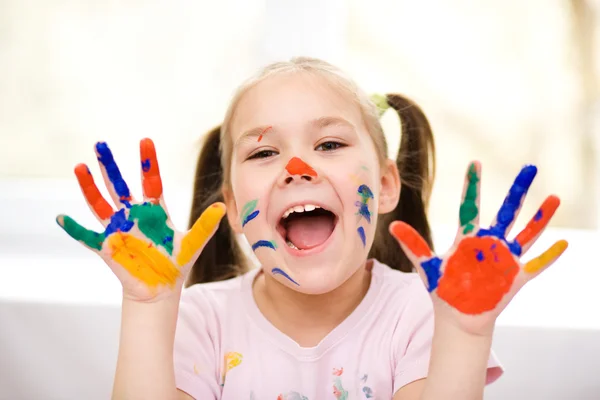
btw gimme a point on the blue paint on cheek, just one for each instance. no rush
(432, 271)
(538, 215)
(146, 165)
(279, 271)
(250, 217)
(365, 192)
(363, 237)
(118, 223)
(263, 243)
(113, 173)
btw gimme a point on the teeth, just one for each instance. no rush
(292, 245)
(299, 209)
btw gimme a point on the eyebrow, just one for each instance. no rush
(320, 123)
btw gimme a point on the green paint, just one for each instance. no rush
(343, 393)
(468, 208)
(152, 222)
(248, 209)
(78, 232)
(364, 167)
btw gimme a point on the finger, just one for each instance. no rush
(88, 238)
(99, 206)
(527, 237)
(151, 182)
(469, 207)
(512, 203)
(418, 252)
(546, 259)
(202, 230)
(115, 183)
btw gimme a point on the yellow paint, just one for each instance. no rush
(142, 260)
(546, 258)
(202, 230)
(232, 360)
(196, 370)
(355, 180)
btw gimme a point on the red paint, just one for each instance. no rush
(263, 132)
(151, 183)
(534, 227)
(298, 167)
(473, 285)
(408, 236)
(100, 206)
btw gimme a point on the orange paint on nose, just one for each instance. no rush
(298, 167)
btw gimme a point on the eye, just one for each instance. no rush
(262, 154)
(330, 146)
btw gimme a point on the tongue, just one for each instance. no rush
(309, 231)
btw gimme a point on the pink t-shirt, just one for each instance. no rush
(226, 349)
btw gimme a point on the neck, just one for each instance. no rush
(306, 318)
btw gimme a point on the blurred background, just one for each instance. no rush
(506, 82)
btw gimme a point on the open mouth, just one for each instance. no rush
(304, 227)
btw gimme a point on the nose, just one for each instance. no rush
(297, 170)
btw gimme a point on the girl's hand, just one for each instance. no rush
(139, 243)
(475, 280)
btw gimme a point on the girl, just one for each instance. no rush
(334, 311)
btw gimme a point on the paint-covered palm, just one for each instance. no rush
(139, 243)
(482, 271)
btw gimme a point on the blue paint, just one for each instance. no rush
(146, 165)
(368, 392)
(88, 170)
(432, 271)
(480, 256)
(363, 210)
(263, 243)
(118, 222)
(513, 200)
(167, 239)
(250, 217)
(113, 173)
(514, 247)
(361, 233)
(279, 271)
(538, 215)
(365, 192)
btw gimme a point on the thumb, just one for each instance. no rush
(412, 243)
(202, 230)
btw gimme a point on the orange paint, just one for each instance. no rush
(151, 182)
(298, 167)
(478, 275)
(539, 222)
(407, 235)
(263, 132)
(86, 181)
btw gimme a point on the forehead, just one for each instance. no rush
(290, 101)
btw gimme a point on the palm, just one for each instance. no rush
(482, 271)
(139, 242)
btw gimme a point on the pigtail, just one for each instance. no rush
(222, 257)
(416, 163)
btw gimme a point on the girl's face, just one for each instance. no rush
(306, 182)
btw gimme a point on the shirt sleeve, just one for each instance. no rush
(413, 337)
(195, 347)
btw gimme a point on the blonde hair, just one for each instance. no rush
(336, 77)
